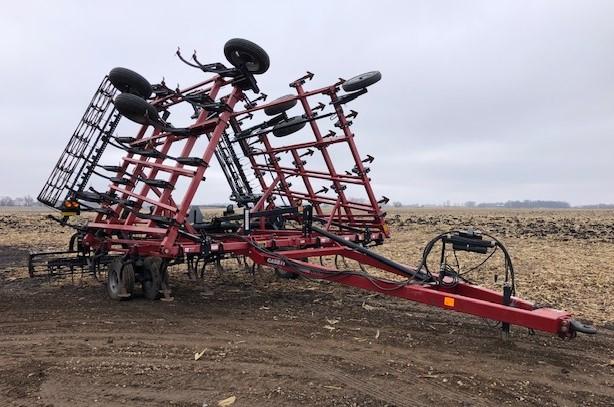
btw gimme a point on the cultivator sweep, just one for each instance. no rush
(296, 202)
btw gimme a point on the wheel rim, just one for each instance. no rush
(113, 281)
(250, 61)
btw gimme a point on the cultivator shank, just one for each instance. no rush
(293, 169)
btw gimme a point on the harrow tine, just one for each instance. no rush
(384, 200)
(248, 116)
(308, 153)
(253, 103)
(320, 106)
(369, 159)
(302, 79)
(353, 114)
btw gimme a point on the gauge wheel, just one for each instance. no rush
(240, 52)
(361, 81)
(128, 81)
(280, 105)
(290, 126)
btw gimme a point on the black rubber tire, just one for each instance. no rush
(129, 278)
(120, 279)
(290, 126)
(243, 52)
(113, 284)
(361, 81)
(152, 280)
(128, 81)
(281, 107)
(135, 108)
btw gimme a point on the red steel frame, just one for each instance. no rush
(144, 237)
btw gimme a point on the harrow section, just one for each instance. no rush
(300, 199)
(84, 149)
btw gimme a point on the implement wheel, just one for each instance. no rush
(290, 126)
(152, 277)
(240, 52)
(137, 109)
(361, 81)
(129, 81)
(285, 102)
(120, 280)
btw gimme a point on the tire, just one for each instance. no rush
(283, 105)
(152, 277)
(127, 81)
(243, 52)
(120, 280)
(135, 108)
(129, 278)
(290, 126)
(361, 81)
(113, 285)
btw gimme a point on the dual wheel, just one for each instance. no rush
(122, 277)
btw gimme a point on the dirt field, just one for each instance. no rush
(275, 342)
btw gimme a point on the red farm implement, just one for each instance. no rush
(296, 200)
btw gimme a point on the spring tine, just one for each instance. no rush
(178, 53)
(369, 159)
(320, 106)
(309, 152)
(384, 200)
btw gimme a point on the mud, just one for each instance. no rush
(277, 342)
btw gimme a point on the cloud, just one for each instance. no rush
(479, 101)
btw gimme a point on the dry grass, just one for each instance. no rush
(562, 257)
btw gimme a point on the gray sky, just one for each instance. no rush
(480, 100)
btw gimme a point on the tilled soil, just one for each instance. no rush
(270, 341)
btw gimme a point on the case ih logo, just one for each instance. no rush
(276, 262)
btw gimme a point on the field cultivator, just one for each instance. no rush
(294, 201)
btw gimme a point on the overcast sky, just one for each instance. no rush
(480, 100)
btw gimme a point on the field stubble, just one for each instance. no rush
(269, 341)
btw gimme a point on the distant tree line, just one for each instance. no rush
(521, 204)
(597, 206)
(526, 204)
(19, 201)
